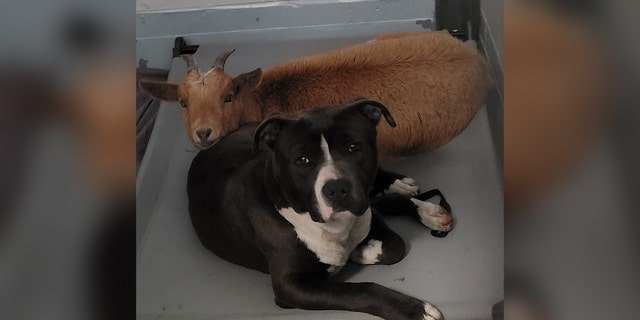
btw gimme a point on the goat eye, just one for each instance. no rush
(301, 161)
(354, 147)
(228, 98)
(182, 104)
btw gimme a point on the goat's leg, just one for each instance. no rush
(294, 291)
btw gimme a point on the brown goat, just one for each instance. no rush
(431, 82)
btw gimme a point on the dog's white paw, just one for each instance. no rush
(431, 313)
(367, 253)
(433, 216)
(406, 186)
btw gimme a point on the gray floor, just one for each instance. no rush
(177, 278)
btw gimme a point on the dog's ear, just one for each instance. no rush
(268, 131)
(373, 110)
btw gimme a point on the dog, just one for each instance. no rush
(290, 197)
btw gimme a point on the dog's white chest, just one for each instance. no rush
(333, 241)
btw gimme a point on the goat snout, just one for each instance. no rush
(336, 190)
(203, 134)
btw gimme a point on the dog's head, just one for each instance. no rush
(324, 160)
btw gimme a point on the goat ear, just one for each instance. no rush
(268, 131)
(247, 81)
(160, 90)
(373, 110)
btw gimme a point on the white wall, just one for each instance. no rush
(271, 20)
(177, 5)
(493, 14)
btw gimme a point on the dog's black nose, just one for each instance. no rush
(336, 190)
(203, 133)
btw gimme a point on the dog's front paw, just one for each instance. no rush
(368, 253)
(433, 216)
(405, 186)
(431, 313)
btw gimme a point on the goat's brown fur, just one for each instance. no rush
(431, 82)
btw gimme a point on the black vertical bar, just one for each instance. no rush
(460, 17)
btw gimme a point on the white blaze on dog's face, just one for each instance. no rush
(324, 160)
(327, 173)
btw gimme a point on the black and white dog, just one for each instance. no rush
(291, 198)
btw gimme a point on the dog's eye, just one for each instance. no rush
(182, 104)
(302, 161)
(228, 98)
(354, 147)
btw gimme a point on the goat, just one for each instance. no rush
(432, 83)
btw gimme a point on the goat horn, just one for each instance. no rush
(221, 59)
(191, 62)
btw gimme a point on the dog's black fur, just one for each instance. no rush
(237, 196)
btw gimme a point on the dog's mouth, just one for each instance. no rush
(342, 221)
(356, 209)
(340, 212)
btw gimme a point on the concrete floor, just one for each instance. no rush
(177, 278)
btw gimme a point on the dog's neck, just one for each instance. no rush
(332, 241)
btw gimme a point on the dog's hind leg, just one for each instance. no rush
(434, 216)
(388, 182)
(381, 246)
